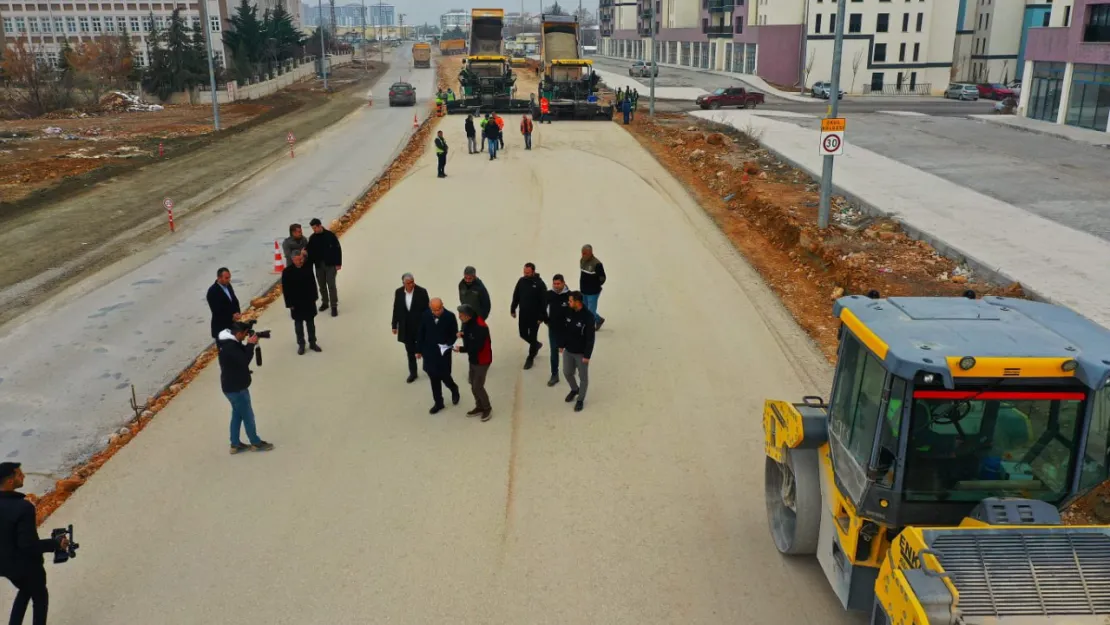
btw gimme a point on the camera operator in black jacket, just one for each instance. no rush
(21, 548)
(236, 347)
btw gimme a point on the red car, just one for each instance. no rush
(733, 96)
(994, 91)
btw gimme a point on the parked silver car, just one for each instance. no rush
(643, 69)
(823, 90)
(962, 91)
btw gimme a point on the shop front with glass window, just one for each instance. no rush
(1045, 89)
(1089, 100)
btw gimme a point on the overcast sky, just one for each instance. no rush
(420, 11)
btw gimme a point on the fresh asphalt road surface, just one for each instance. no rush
(65, 379)
(678, 77)
(645, 508)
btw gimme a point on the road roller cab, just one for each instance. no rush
(929, 485)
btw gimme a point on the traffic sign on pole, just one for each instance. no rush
(832, 136)
(168, 203)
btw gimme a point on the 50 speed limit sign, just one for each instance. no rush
(832, 136)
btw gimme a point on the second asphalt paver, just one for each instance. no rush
(647, 507)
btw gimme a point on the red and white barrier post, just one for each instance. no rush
(161, 152)
(290, 139)
(168, 203)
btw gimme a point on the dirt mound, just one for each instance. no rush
(118, 102)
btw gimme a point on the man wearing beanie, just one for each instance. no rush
(473, 293)
(21, 548)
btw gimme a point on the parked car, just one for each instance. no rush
(994, 91)
(643, 69)
(731, 96)
(402, 94)
(823, 90)
(961, 91)
(1015, 86)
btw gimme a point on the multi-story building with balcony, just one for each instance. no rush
(890, 46)
(456, 18)
(1066, 74)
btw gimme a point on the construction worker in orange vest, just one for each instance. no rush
(526, 130)
(545, 109)
(500, 130)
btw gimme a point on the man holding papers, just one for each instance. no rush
(436, 339)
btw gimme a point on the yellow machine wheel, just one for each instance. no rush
(793, 493)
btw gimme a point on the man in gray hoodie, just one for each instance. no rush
(473, 293)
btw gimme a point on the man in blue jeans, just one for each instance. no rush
(591, 281)
(236, 349)
(492, 134)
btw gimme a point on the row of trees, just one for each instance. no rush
(38, 85)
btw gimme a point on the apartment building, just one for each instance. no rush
(46, 25)
(890, 46)
(456, 18)
(1066, 73)
(349, 15)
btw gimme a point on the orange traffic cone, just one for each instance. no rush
(415, 123)
(279, 260)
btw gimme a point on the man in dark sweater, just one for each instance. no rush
(578, 347)
(529, 296)
(477, 346)
(439, 330)
(236, 349)
(491, 134)
(326, 254)
(471, 135)
(591, 281)
(222, 302)
(298, 288)
(21, 549)
(558, 313)
(473, 293)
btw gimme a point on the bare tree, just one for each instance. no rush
(31, 80)
(1006, 71)
(808, 70)
(857, 60)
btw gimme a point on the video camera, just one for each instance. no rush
(262, 334)
(63, 555)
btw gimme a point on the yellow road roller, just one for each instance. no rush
(930, 484)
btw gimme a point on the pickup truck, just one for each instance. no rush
(732, 96)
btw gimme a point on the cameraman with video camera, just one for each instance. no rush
(21, 548)
(236, 347)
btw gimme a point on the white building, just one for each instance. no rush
(456, 18)
(46, 26)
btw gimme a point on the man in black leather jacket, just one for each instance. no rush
(21, 548)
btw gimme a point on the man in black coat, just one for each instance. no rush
(222, 302)
(21, 548)
(473, 292)
(471, 135)
(236, 350)
(409, 303)
(326, 255)
(438, 332)
(491, 134)
(557, 316)
(298, 287)
(529, 296)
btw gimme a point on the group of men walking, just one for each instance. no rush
(430, 333)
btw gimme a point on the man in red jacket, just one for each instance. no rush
(526, 130)
(477, 346)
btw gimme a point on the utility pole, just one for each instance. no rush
(381, 30)
(207, 27)
(363, 43)
(654, 64)
(323, 51)
(802, 53)
(401, 26)
(834, 106)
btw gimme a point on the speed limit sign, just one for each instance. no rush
(832, 136)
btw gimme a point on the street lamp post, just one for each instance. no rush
(323, 51)
(834, 99)
(654, 67)
(207, 28)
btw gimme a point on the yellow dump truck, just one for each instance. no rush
(451, 47)
(421, 55)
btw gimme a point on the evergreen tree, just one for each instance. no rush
(200, 52)
(131, 73)
(280, 29)
(245, 35)
(64, 55)
(181, 53)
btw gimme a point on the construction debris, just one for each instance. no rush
(118, 101)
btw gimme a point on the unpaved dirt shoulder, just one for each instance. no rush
(88, 227)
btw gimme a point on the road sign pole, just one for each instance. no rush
(834, 99)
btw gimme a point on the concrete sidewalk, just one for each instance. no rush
(616, 81)
(1051, 261)
(1082, 135)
